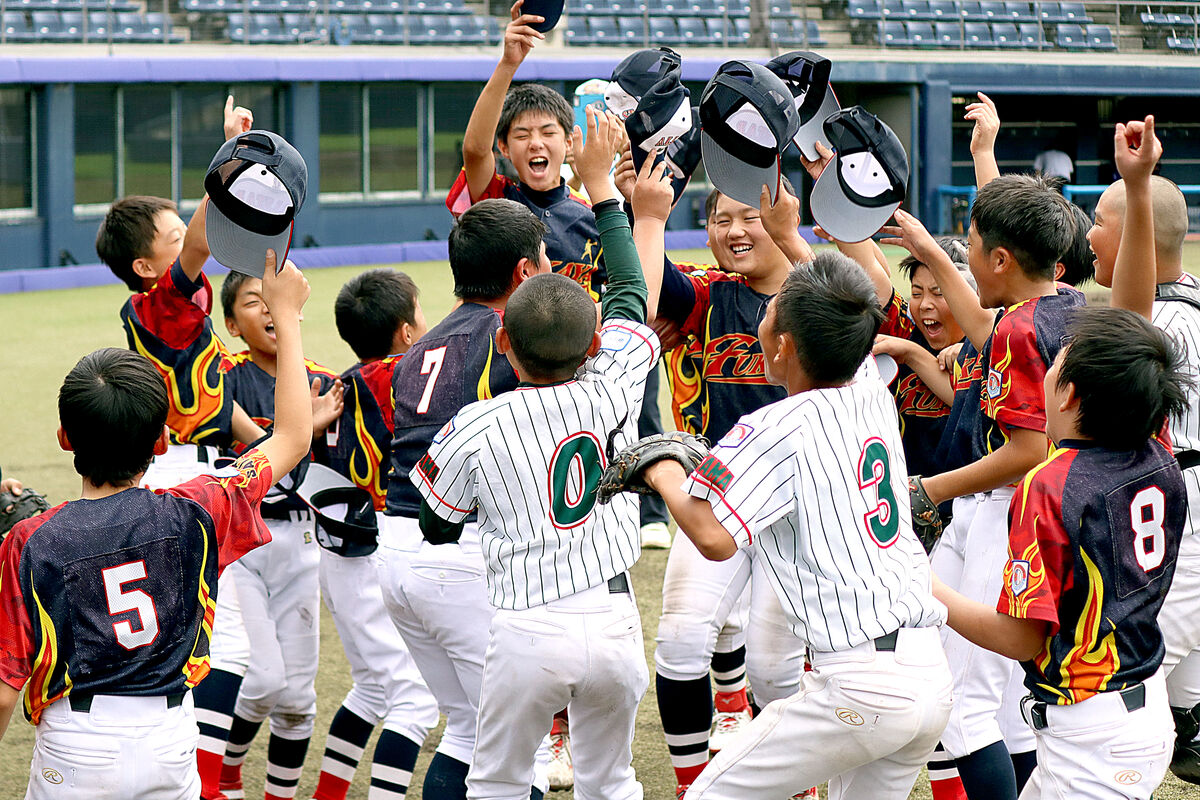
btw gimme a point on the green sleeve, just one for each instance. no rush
(625, 296)
(437, 530)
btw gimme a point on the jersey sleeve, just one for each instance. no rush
(684, 297)
(628, 351)
(174, 309)
(445, 475)
(896, 321)
(459, 198)
(1013, 394)
(747, 478)
(625, 297)
(232, 498)
(1039, 548)
(16, 631)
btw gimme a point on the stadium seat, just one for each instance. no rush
(894, 9)
(72, 22)
(1179, 19)
(917, 10)
(663, 30)
(781, 9)
(949, 34)
(99, 23)
(741, 31)
(865, 9)
(1152, 19)
(1004, 35)
(346, 6)
(48, 27)
(978, 35)
(944, 10)
(1051, 12)
(422, 28)
(158, 28)
(209, 6)
(248, 28)
(972, 11)
(379, 29)
(707, 8)
(1019, 11)
(1071, 37)
(692, 30)
(1183, 44)
(112, 5)
(920, 34)
(307, 28)
(893, 34)
(738, 8)
(576, 32)
(994, 10)
(1100, 37)
(791, 33)
(1030, 36)
(604, 30)
(1075, 12)
(16, 27)
(716, 30)
(629, 30)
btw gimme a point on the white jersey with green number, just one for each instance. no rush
(530, 461)
(816, 484)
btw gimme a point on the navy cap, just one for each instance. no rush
(806, 74)
(636, 75)
(256, 185)
(551, 10)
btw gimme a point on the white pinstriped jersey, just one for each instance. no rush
(530, 461)
(1182, 322)
(816, 483)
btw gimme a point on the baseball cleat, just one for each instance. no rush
(561, 772)
(810, 794)
(656, 536)
(726, 726)
(681, 790)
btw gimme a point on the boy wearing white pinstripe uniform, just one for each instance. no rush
(814, 484)
(530, 461)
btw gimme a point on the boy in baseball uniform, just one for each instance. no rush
(107, 602)
(557, 561)
(814, 485)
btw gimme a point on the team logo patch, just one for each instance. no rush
(1018, 580)
(616, 340)
(737, 434)
(715, 474)
(427, 468)
(446, 430)
(849, 716)
(1127, 777)
(994, 380)
(52, 776)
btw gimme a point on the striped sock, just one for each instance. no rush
(241, 733)
(391, 770)
(348, 735)
(686, 711)
(285, 761)
(944, 782)
(729, 679)
(214, 698)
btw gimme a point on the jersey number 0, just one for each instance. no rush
(575, 472)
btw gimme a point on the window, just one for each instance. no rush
(146, 147)
(394, 137)
(16, 149)
(201, 132)
(452, 104)
(95, 144)
(341, 138)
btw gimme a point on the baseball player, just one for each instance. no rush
(378, 314)
(1094, 534)
(556, 560)
(108, 600)
(1176, 310)
(1020, 227)
(809, 495)
(436, 596)
(278, 584)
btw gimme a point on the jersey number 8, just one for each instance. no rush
(1149, 541)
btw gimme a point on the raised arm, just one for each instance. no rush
(478, 160)
(781, 221)
(1012, 637)
(920, 361)
(983, 139)
(694, 516)
(651, 204)
(1134, 275)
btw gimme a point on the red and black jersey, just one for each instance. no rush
(572, 238)
(1093, 538)
(923, 415)
(454, 364)
(170, 325)
(117, 595)
(360, 443)
(722, 377)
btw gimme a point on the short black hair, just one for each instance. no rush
(112, 407)
(1022, 214)
(710, 202)
(229, 291)
(829, 308)
(525, 97)
(486, 244)
(1079, 265)
(371, 307)
(1128, 375)
(127, 233)
(550, 320)
(952, 246)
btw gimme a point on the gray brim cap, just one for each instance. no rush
(806, 75)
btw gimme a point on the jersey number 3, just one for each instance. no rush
(875, 470)
(134, 600)
(575, 472)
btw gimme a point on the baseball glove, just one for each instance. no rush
(926, 519)
(625, 471)
(16, 507)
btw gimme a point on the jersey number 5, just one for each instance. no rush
(133, 600)
(875, 470)
(575, 472)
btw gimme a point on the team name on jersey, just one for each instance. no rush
(715, 473)
(730, 359)
(914, 399)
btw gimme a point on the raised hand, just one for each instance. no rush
(285, 291)
(815, 168)
(987, 124)
(652, 193)
(326, 408)
(238, 119)
(909, 233)
(519, 37)
(1137, 149)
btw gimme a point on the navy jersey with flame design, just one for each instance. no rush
(1093, 539)
(169, 324)
(117, 595)
(923, 415)
(572, 238)
(721, 377)
(454, 364)
(361, 440)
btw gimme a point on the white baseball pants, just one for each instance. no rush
(123, 747)
(877, 715)
(1179, 621)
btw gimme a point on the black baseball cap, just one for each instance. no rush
(256, 185)
(662, 115)
(683, 155)
(748, 118)
(862, 187)
(344, 512)
(636, 75)
(806, 74)
(551, 10)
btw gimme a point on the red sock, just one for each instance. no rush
(209, 766)
(684, 776)
(944, 782)
(732, 701)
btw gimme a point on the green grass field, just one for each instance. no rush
(45, 333)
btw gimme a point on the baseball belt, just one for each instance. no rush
(82, 703)
(1134, 698)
